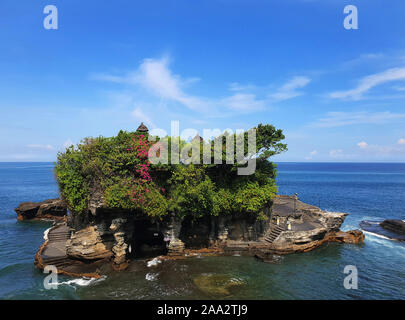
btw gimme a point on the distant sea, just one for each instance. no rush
(367, 191)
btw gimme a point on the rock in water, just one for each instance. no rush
(217, 284)
(384, 229)
(397, 226)
(52, 209)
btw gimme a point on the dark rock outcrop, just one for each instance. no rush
(397, 226)
(52, 209)
(389, 229)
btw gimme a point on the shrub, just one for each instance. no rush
(119, 169)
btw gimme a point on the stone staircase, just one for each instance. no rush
(55, 252)
(273, 234)
(58, 262)
(59, 235)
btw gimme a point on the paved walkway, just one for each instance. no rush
(55, 251)
(284, 206)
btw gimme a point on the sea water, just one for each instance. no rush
(370, 192)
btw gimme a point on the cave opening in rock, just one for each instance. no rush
(147, 240)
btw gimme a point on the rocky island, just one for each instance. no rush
(122, 207)
(390, 228)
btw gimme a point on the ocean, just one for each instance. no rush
(367, 191)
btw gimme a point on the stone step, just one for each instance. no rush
(273, 234)
(59, 264)
(54, 258)
(59, 236)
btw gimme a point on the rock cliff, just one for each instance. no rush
(120, 235)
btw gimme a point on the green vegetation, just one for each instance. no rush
(119, 170)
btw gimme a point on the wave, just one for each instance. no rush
(82, 282)
(377, 235)
(151, 276)
(46, 233)
(386, 242)
(154, 262)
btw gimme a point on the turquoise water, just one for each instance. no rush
(366, 191)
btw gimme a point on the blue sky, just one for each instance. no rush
(339, 95)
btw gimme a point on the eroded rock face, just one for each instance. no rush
(353, 236)
(299, 241)
(87, 244)
(119, 234)
(304, 241)
(52, 209)
(333, 220)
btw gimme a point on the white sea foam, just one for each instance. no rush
(376, 235)
(46, 233)
(154, 262)
(82, 282)
(151, 276)
(373, 222)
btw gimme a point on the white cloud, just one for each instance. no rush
(244, 102)
(376, 150)
(289, 90)
(399, 88)
(401, 141)
(141, 116)
(339, 119)
(311, 155)
(155, 76)
(369, 82)
(363, 58)
(362, 145)
(235, 86)
(336, 153)
(40, 146)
